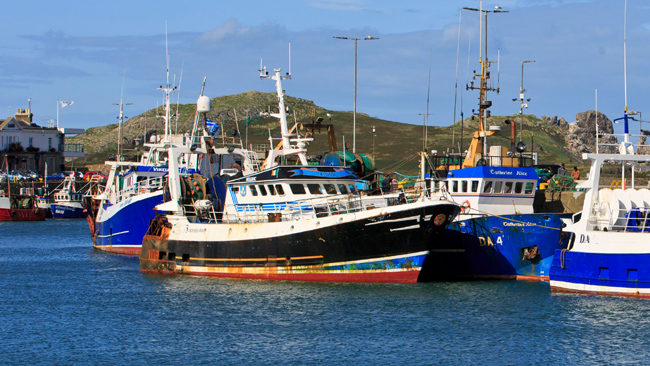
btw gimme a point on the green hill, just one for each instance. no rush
(395, 144)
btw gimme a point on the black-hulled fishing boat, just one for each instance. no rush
(299, 222)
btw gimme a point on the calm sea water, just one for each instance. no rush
(63, 303)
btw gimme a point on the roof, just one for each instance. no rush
(22, 125)
(493, 172)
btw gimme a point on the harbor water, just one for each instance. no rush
(65, 304)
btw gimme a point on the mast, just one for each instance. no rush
(286, 149)
(485, 86)
(625, 147)
(167, 90)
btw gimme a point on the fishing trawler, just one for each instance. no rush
(608, 251)
(68, 202)
(497, 235)
(120, 215)
(291, 222)
(21, 207)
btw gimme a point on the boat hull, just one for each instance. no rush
(65, 211)
(614, 274)
(119, 229)
(22, 214)
(382, 246)
(509, 247)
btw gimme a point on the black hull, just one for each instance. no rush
(385, 248)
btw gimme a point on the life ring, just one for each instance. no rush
(465, 207)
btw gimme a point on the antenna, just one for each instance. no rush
(596, 101)
(167, 90)
(121, 116)
(426, 117)
(498, 68)
(480, 34)
(625, 58)
(289, 58)
(178, 95)
(453, 134)
(262, 69)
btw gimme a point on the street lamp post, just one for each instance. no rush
(354, 117)
(522, 100)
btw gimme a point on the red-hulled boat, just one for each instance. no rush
(20, 208)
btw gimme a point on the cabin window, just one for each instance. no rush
(519, 187)
(529, 188)
(507, 188)
(497, 186)
(351, 188)
(463, 186)
(454, 186)
(343, 189)
(253, 190)
(262, 190)
(474, 186)
(278, 187)
(314, 188)
(329, 188)
(235, 189)
(271, 189)
(297, 188)
(487, 188)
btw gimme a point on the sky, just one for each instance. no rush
(96, 52)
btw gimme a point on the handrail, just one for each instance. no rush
(636, 219)
(295, 210)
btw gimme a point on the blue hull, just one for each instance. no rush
(491, 247)
(122, 232)
(600, 273)
(67, 212)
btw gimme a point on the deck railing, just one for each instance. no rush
(636, 219)
(301, 209)
(144, 186)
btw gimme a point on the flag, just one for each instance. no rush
(65, 104)
(212, 127)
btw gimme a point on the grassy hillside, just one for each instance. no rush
(395, 144)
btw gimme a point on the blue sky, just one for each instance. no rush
(80, 51)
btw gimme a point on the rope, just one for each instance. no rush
(562, 254)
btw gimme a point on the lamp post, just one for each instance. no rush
(522, 100)
(354, 117)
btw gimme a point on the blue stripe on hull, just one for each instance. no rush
(410, 262)
(627, 271)
(128, 225)
(67, 212)
(494, 247)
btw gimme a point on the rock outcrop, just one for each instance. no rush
(581, 137)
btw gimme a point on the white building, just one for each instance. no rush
(28, 146)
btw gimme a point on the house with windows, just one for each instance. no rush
(24, 145)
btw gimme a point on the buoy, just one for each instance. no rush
(465, 207)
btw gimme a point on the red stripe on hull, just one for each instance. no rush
(380, 277)
(617, 294)
(532, 278)
(129, 251)
(20, 214)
